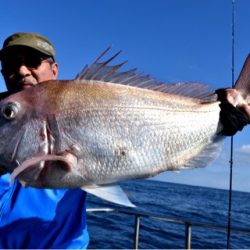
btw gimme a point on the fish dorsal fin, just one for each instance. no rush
(112, 193)
(102, 71)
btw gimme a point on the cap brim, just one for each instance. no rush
(6, 50)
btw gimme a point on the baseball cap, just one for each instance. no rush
(31, 40)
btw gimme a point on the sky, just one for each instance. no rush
(172, 40)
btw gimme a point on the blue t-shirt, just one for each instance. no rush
(41, 218)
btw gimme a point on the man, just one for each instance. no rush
(33, 218)
(29, 217)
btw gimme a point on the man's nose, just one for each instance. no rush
(24, 70)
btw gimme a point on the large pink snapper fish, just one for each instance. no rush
(108, 126)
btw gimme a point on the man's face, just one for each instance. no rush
(25, 67)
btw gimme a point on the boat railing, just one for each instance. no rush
(187, 224)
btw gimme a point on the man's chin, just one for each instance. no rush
(27, 85)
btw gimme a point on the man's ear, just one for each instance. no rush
(55, 70)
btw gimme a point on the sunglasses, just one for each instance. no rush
(11, 64)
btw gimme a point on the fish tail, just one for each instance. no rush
(234, 101)
(242, 85)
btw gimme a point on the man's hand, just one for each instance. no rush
(232, 118)
(245, 109)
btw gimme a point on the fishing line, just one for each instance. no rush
(231, 145)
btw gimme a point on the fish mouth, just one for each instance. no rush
(35, 168)
(32, 170)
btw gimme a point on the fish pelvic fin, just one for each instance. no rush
(102, 70)
(112, 193)
(243, 82)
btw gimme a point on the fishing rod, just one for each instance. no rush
(232, 141)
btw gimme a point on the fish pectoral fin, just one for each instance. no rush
(112, 193)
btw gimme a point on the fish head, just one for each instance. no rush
(21, 127)
(29, 147)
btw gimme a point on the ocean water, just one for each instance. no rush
(189, 203)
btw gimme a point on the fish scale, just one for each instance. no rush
(113, 132)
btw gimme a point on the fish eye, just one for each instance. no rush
(10, 110)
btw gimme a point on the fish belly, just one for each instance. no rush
(125, 143)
